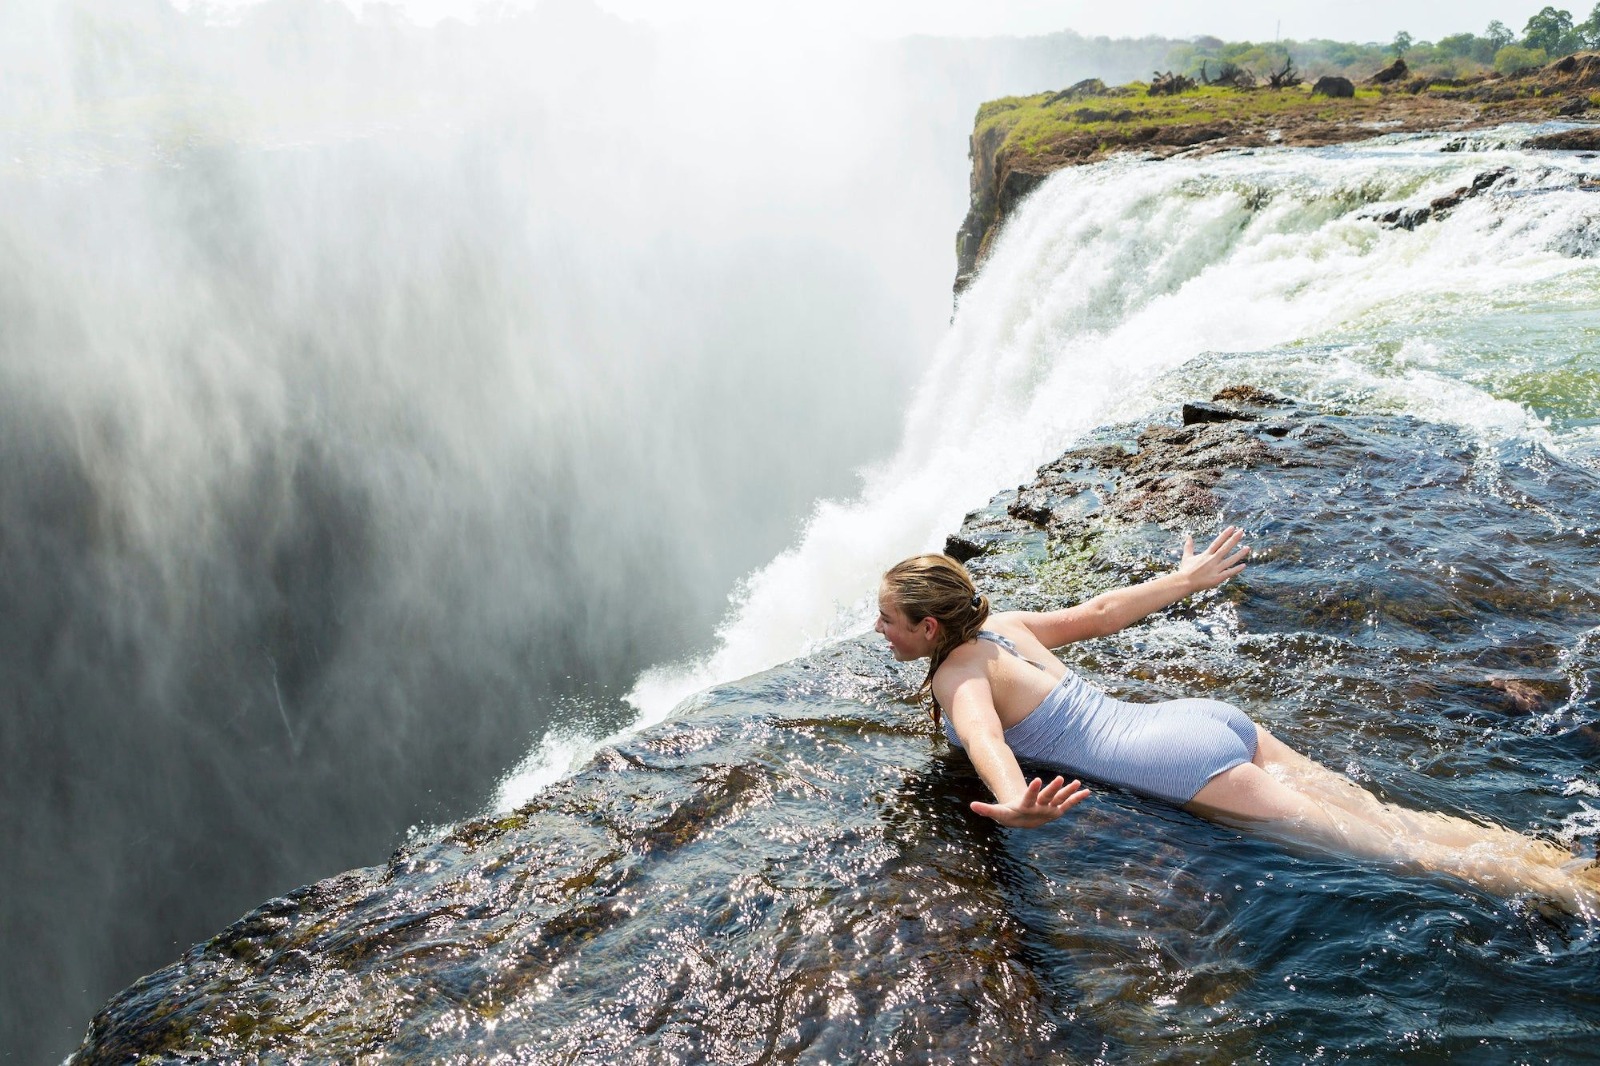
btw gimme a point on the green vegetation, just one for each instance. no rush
(1513, 59)
(1034, 123)
(1552, 33)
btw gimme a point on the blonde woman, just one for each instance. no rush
(1001, 696)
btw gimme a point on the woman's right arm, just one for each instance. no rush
(1022, 804)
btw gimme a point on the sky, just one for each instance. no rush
(1354, 20)
(1254, 20)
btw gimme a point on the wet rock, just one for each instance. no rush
(1526, 697)
(1197, 413)
(1409, 218)
(1581, 139)
(1248, 396)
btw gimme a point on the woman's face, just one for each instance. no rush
(906, 640)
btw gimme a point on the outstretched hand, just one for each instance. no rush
(1216, 564)
(1040, 804)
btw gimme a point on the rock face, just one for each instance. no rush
(1334, 86)
(787, 870)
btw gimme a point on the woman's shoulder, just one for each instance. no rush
(964, 660)
(1009, 624)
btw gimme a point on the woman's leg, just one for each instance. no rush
(1317, 781)
(1493, 858)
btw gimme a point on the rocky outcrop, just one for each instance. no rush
(1411, 217)
(1394, 72)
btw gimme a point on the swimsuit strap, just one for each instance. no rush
(995, 638)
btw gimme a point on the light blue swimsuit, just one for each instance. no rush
(1166, 750)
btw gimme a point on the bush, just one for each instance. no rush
(1514, 57)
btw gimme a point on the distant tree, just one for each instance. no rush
(1551, 31)
(1514, 57)
(1208, 43)
(1499, 35)
(1588, 31)
(1402, 43)
(1457, 44)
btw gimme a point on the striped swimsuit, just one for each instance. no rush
(1166, 750)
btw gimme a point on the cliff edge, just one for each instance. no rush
(1019, 141)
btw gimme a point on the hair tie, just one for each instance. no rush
(977, 600)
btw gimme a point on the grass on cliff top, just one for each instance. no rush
(1032, 123)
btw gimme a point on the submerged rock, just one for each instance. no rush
(787, 869)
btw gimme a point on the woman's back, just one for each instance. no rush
(1019, 678)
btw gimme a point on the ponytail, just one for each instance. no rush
(937, 587)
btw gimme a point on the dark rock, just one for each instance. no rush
(1575, 105)
(799, 836)
(1406, 218)
(1196, 413)
(1086, 87)
(1248, 396)
(1581, 139)
(1335, 86)
(1409, 218)
(962, 548)
(1392, 73)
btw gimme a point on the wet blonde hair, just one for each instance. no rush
(938, 587)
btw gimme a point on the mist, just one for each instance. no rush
(376, 397)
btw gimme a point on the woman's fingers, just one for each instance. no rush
(1226, 539)
(1040, 803)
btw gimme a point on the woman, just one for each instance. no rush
(1001, 695)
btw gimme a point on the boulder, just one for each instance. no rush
(1333, 85)
(1393, 72)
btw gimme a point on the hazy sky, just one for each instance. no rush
(1256, 20)
(1356, 20)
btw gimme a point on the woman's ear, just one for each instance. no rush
(928, 627)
